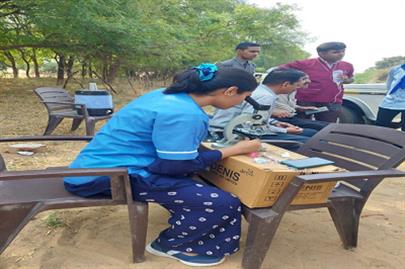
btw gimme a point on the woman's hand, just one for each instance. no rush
(248, 146)
(242, 147)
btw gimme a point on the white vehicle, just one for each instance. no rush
(360, 103)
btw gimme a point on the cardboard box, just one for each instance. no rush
(259, 185)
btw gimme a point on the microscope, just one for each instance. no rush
(251, 125)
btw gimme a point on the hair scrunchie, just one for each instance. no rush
(206, 71)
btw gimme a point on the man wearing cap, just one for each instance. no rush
(328, 73)
(245, 53)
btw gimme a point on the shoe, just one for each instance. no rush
(199, 260)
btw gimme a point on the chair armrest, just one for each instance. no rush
(45, 138)
(120, 189)
(370, 174)
(63, 172)
(279, 141)
(82, 107)
(59, 103)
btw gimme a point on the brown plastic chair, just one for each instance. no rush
(60, 105)
(369, 153)
(24, 194)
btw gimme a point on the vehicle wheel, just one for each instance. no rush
(349, 115)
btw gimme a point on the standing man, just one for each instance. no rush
(245, 53)
(328, 73)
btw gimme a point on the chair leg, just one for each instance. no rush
(13, 219)
(53, 122)
(346, 215)
(138, 222)
(76, 124)
(260, 234)
(90, 126)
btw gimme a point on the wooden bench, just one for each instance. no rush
(369, 153)
(24, 194)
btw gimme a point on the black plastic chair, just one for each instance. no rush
(60, 105)
(369, 154)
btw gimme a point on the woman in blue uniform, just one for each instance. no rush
(157, 136)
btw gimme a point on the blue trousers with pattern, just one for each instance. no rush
(204, 219)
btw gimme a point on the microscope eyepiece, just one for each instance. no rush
(255, 104)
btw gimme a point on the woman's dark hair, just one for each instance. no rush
(281, 75)
(190, 82)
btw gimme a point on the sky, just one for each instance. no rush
(372, 30)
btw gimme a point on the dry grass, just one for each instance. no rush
(21, 113)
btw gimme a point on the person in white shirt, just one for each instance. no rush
(278, 81)
(286, 109)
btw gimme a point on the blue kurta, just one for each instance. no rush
(168, 126)
(157, 137)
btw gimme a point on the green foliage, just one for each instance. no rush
(53, 221)
(277, 26)
(379, 73)
(390, 62)
(161, 36)
(365, 77)
(49, 66)
(3, 67)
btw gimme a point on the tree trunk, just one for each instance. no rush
(27, 63)
(69, 70)
(13, 64)
(110, 68)
(113, 70)
(90, 71)
(35, 61)
(27, 70)
(104, 72)
(60, 59)
(84, 69)
(69, 66)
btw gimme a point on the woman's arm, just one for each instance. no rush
(204, 159)
(183, 167)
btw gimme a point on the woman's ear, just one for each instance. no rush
(231, 91)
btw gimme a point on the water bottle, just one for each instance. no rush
(92, 86)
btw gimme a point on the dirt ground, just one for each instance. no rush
(99, 237)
